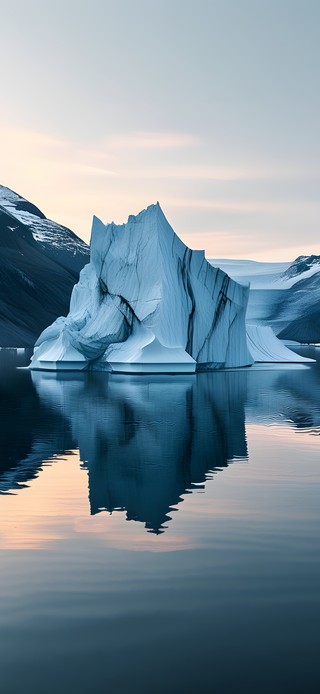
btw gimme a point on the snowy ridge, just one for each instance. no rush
(302, 268)
(44, 230)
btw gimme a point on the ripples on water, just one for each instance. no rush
(160, 533)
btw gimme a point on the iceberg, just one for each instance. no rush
(267, 348)
(147, 303)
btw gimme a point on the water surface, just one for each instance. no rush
(160, 534)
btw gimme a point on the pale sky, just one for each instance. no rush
(211, 107)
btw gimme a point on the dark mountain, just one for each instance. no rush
(301, 311)
(42, 429)
(40, 262)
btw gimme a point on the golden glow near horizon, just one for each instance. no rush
(55, 506)
(70, 183)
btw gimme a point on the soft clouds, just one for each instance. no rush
(150, 140)
(208, 107)
(229, 210)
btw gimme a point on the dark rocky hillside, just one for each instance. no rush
(40, 262)
(301, 311)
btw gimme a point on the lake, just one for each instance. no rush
(160, 534)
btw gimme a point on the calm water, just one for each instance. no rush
(160, 534)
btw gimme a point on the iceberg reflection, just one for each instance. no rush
(148, 441)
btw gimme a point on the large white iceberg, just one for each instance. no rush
(147, 303)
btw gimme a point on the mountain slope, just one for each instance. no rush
(300, 310)
(39, 265)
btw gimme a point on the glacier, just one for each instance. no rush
(147, 303)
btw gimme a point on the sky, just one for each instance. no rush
(211, 107)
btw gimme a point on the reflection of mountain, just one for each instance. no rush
(146, 441)
(31, 431)
(286, 396)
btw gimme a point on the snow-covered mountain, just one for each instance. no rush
(55, 240)
(302, 267)
(283, 295)
(40, 262)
